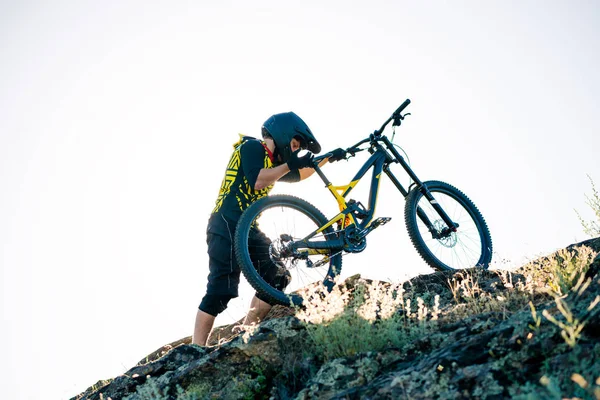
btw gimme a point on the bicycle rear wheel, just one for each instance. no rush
(471, 244)
(283, 219)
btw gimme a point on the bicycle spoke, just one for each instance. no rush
(284, 225)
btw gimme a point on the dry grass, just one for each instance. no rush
(364, 317)
(372, 316)
(592, 228)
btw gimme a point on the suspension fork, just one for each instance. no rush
(452, 226)
(420, 213)
(419, 186)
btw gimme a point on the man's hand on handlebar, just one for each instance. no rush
(337, 155)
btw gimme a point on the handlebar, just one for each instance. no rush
(352, 150)
(395, 115)
(402, 106)
(317, 160)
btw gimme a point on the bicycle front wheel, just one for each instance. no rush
(445, 250)
(264, 238)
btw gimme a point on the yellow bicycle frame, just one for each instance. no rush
(346, 218)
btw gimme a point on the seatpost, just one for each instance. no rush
(321, 174)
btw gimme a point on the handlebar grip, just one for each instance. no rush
(402, 106)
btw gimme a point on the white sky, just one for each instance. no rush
(117, 119)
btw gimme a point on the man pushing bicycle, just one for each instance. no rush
(444, 225)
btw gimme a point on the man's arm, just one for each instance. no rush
(306, 172)
(336, 155)
(268, 176)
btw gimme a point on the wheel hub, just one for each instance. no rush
(279, 252)
(445, 236)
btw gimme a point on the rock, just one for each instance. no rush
(483, 346)
(339, 375)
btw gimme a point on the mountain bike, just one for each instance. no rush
(444, 225)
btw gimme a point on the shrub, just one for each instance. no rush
(568, 268)
(368, 317)
(592, 228)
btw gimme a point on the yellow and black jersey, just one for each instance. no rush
(237, 191)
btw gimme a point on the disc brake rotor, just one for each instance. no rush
(447, 240)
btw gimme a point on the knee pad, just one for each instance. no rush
(214, 304)
(276, 276)
(281, 279)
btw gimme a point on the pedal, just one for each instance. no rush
(380, 221)
(375, 224)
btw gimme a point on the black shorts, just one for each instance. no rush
(224, 271)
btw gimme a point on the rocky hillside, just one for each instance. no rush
(530, 333)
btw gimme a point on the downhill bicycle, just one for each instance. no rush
(445, 227)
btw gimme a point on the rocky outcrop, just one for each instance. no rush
(228, 370)
(488, 343)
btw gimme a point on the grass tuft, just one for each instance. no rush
(592, 228)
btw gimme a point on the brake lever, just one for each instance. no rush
(398, 118)
(353, 151)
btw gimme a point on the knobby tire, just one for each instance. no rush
(243, 256)
(477, 249)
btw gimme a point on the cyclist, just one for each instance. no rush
(253, 168)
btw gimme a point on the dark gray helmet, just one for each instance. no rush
(286, 126)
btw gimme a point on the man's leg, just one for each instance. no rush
(223, 281)
(202, 328)
(258, 311)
